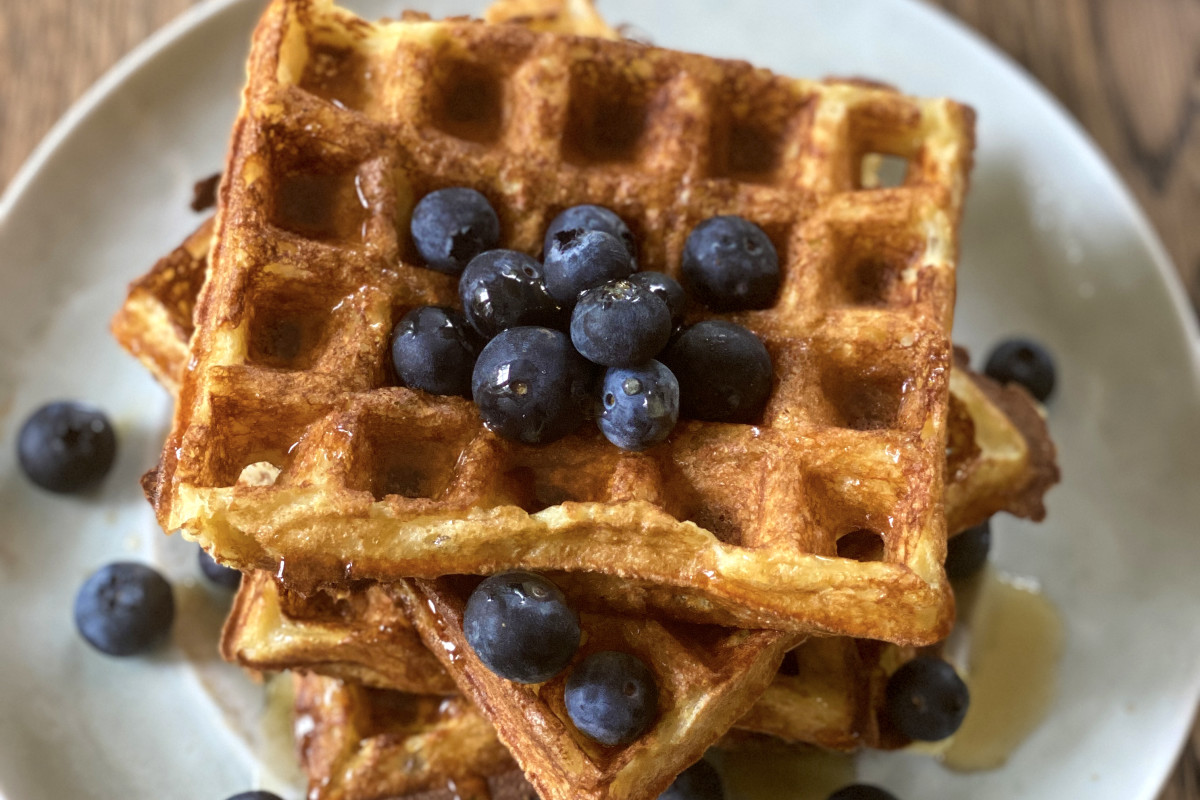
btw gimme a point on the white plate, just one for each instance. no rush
(1053, 247)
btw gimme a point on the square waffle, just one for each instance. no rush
(345, 124)
(999, 457)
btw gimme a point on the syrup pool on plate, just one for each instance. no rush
(1013, 644)
(1007, 646)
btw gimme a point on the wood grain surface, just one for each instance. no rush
(1129, 70)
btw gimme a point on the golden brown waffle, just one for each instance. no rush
(358, 743)
(361, 637)
(290, 354)
(999, 455)
(827, 692)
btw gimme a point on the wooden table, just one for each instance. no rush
(1125, 68)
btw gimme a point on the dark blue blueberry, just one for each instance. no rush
(641, 405)
(520, 626)
(580, 260)
(258, 795)
(531, 386)
(1025, 362)
(452, 226)
(503, 289)
(124, 608)
(724, 372)
(591, 218)
(698, 782)
(730, 264)
(620, 324)
(66, 447)
(665, 288)
(926, 700)
(611, 697)
(219, 574)
(967, 552)
(861, 791)
(433, 349)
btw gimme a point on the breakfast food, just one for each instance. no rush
(823, 694)
(861, 352)
(66, 447)
(1023, 361)
(823, 388)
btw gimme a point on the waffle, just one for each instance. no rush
(290, 352)
(999, 457)
(357, 743)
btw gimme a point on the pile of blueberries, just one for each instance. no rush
(543, 346)
(520, 626)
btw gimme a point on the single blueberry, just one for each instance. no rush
(578, 260)
(520, 626)
(124, 608)
(611, 697)
(531, 386)
(1025, 362)
(640, 405)
(452, 226)
(926, 700)
(221, 575)
(503, 289)
(591, 218)
(730, 264)
(666, 289)
(698, 782)
(433, 349)
(257, 795)
(620, 324)
(861, 791)
(724, 372)
(967, 552)
(66, 447)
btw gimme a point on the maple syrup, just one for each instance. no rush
(1013, 649)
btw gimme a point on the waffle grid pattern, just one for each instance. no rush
(379, 482)
(824, 692)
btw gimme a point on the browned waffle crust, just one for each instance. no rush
(293, 322)
(358, 743)
(827, 691)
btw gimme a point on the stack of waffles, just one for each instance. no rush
(770, 575)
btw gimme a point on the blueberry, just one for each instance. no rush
(1025, 362)
(861, 791)
(926, 700)
(520, 626)
(124, 608)
(620, 324)
(724, 372)
(452, 226)
(698, 782)
(503, 289)
(611, 697)
(579, 260)
(730, 264)
(641, 405)
(259, 795)
(219, 574)
(433, 349)
(66, 447)
(967, 552)
(530, 385)
(666, 289)
(591, 218)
